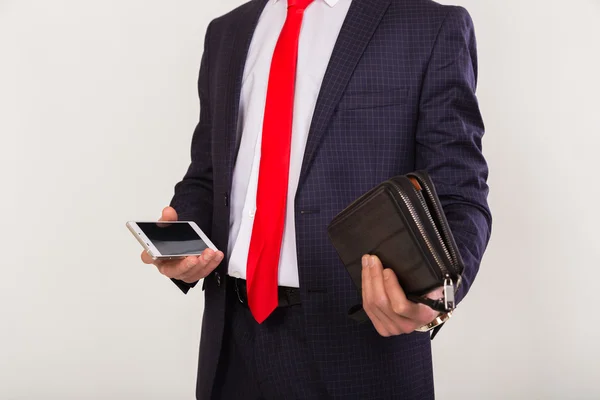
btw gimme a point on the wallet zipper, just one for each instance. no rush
(448, 287)
(417, 220)
(437, 232)
(448, 249)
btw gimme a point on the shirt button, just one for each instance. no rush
(252, 213)
(236, 274)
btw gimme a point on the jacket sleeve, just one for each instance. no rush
(193, 198)
(449, 135)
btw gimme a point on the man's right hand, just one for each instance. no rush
(189, 269)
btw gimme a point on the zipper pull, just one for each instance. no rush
(449, 294)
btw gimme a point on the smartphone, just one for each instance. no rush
(170, 240)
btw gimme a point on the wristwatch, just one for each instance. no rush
(435, 325)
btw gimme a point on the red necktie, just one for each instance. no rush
(271, 196)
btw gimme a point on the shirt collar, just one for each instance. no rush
(330, 3)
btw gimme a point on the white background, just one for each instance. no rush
(97, 106)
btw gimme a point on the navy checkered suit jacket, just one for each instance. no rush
(398, 96)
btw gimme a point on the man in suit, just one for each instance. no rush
(304, 106)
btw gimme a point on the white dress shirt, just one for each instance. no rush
(321, 26)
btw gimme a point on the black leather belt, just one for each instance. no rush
(287, 296)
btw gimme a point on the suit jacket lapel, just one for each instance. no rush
(360, 25)
(243, 30)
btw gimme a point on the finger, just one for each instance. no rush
(383, 305)
(400, 304)
(168, 214)
(215, 261)
(177, 268)
(146, 258)
(204, 269)
(201, 268)
(369, 295)
(436, 294)
(415, 315)
(380, 328)
(191, 267)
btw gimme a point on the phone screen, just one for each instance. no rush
(173, 239)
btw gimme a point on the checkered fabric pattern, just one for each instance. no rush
(398, 96)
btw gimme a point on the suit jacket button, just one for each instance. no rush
(218, 278)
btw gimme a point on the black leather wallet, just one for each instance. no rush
(402, 222)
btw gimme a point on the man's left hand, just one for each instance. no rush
(386, 304)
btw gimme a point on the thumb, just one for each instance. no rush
(169, 214)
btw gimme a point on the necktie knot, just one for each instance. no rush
(299, 4)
